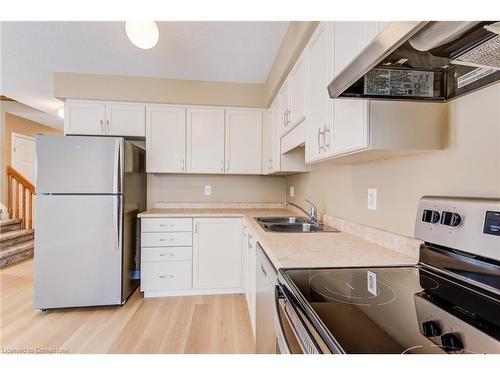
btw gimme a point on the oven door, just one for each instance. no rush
(292, 334)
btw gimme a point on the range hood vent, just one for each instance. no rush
(423, 61)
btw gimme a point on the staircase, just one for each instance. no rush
(15, 243)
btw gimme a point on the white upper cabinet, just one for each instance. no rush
(165, 139)
(125, 119)
(351, 126)
(216, 257)
(205, 140)
(104, 118)
(350, 38)
(350, 115)
(243, 141)
(84, 118)
(283, 108)
(298, 80)
(320, 105)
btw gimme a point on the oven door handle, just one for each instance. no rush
(280, 336)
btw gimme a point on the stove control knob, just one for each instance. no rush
(431, 328)
(430, 216)
(451, 343)
(451, 219)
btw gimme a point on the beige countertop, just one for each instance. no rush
(287, 250)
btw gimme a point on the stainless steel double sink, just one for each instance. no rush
(291, 224)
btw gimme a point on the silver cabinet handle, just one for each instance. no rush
(320, 148)
(222, 166)
(108, 126)
(288, 117)
(102, 125)
(196, 228)
(227, 165)
(164, 255)
(263, 270)
(182, 164)
(285, 120)
(166, 276)
(326, 130)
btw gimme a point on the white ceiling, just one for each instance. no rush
(210, 51)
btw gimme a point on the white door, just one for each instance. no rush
(165, 139)
(320, 105)
(125, 119)
(217, 253)
(23, 155)
(243, 141)
(298, 78)
(205, 140)
(84, 118)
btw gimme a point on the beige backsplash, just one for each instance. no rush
(169, 188)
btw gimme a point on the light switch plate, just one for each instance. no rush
(208, 190)
(372, 199)
(292, 191)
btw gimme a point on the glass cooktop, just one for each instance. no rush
(389, 309)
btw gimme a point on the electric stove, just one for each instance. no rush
(448, 303)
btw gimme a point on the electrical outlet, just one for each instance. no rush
(372, 199)
(292, 191)
(208, 190)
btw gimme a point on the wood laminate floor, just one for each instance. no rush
(194, 324)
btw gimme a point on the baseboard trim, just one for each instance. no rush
(191, 292)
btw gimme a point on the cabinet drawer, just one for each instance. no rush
(166, 254)
(158, 276)
(166, 239)
(165, 224)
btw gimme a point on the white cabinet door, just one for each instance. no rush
(351, 125)
(271, 159)
(217, 253)
(165, 139)
(298, 80)
(320, 105)
(284, 111)
(127, 119)
(252, 280)
(84, 118)
(243, 141)
(350, 39)
(205, 140)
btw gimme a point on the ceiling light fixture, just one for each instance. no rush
(143, 34)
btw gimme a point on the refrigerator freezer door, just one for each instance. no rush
(78, 257)
(78, 165)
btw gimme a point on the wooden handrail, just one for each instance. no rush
(20, 197)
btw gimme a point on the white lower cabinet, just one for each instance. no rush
(186, 256)
(217, 253)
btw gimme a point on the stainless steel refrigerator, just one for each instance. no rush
(89, 191)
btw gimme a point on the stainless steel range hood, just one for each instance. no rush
(423, 61)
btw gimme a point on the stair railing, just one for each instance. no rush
(20, 197)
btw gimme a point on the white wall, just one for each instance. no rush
(468, 166)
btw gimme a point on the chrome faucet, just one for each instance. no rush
(312, 214)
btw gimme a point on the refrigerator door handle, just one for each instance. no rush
(117, 165)
(116, 223)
